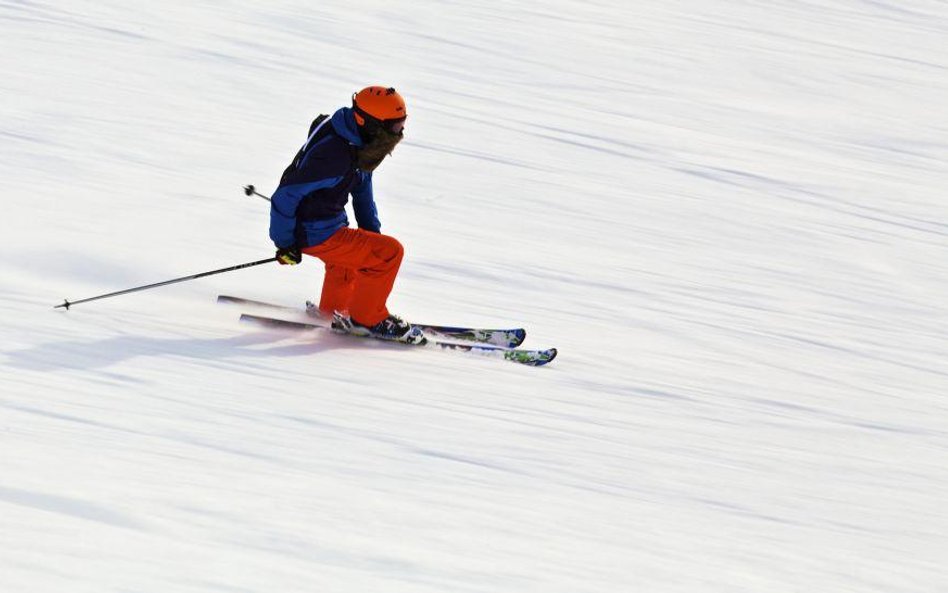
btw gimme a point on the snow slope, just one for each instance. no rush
(730, 218)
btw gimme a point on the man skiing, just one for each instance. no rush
(307, 213)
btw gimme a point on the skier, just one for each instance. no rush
(307, 213)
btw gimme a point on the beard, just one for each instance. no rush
(371, 155)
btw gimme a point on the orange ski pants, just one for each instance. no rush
(360, 271)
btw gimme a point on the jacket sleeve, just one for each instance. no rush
(363, 203)
(283, 206)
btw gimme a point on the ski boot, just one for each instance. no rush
(392, 328)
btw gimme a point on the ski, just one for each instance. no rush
(527, 357)
(508, 338)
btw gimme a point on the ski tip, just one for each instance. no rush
(520, 335)
(548, 356)
(533, 358)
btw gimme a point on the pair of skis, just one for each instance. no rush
(494, 343)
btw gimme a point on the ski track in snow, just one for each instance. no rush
(730, 218)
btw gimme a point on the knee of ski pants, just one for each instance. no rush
(389, 250)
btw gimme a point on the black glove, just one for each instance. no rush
(289, 256)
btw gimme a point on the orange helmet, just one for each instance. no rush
(378, 106)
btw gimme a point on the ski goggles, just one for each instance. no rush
(395, 126)
(392, 126)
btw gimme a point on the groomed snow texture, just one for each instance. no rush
(731, 217)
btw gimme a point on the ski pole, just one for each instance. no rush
(67, 304)
(252, 191)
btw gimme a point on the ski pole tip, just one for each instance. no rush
(65, 304)
(249, 190)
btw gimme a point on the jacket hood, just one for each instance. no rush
(343, 121)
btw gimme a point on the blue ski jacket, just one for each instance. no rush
(309, 205)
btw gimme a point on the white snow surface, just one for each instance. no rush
(731, 217)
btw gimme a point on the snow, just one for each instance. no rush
(729, 217)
